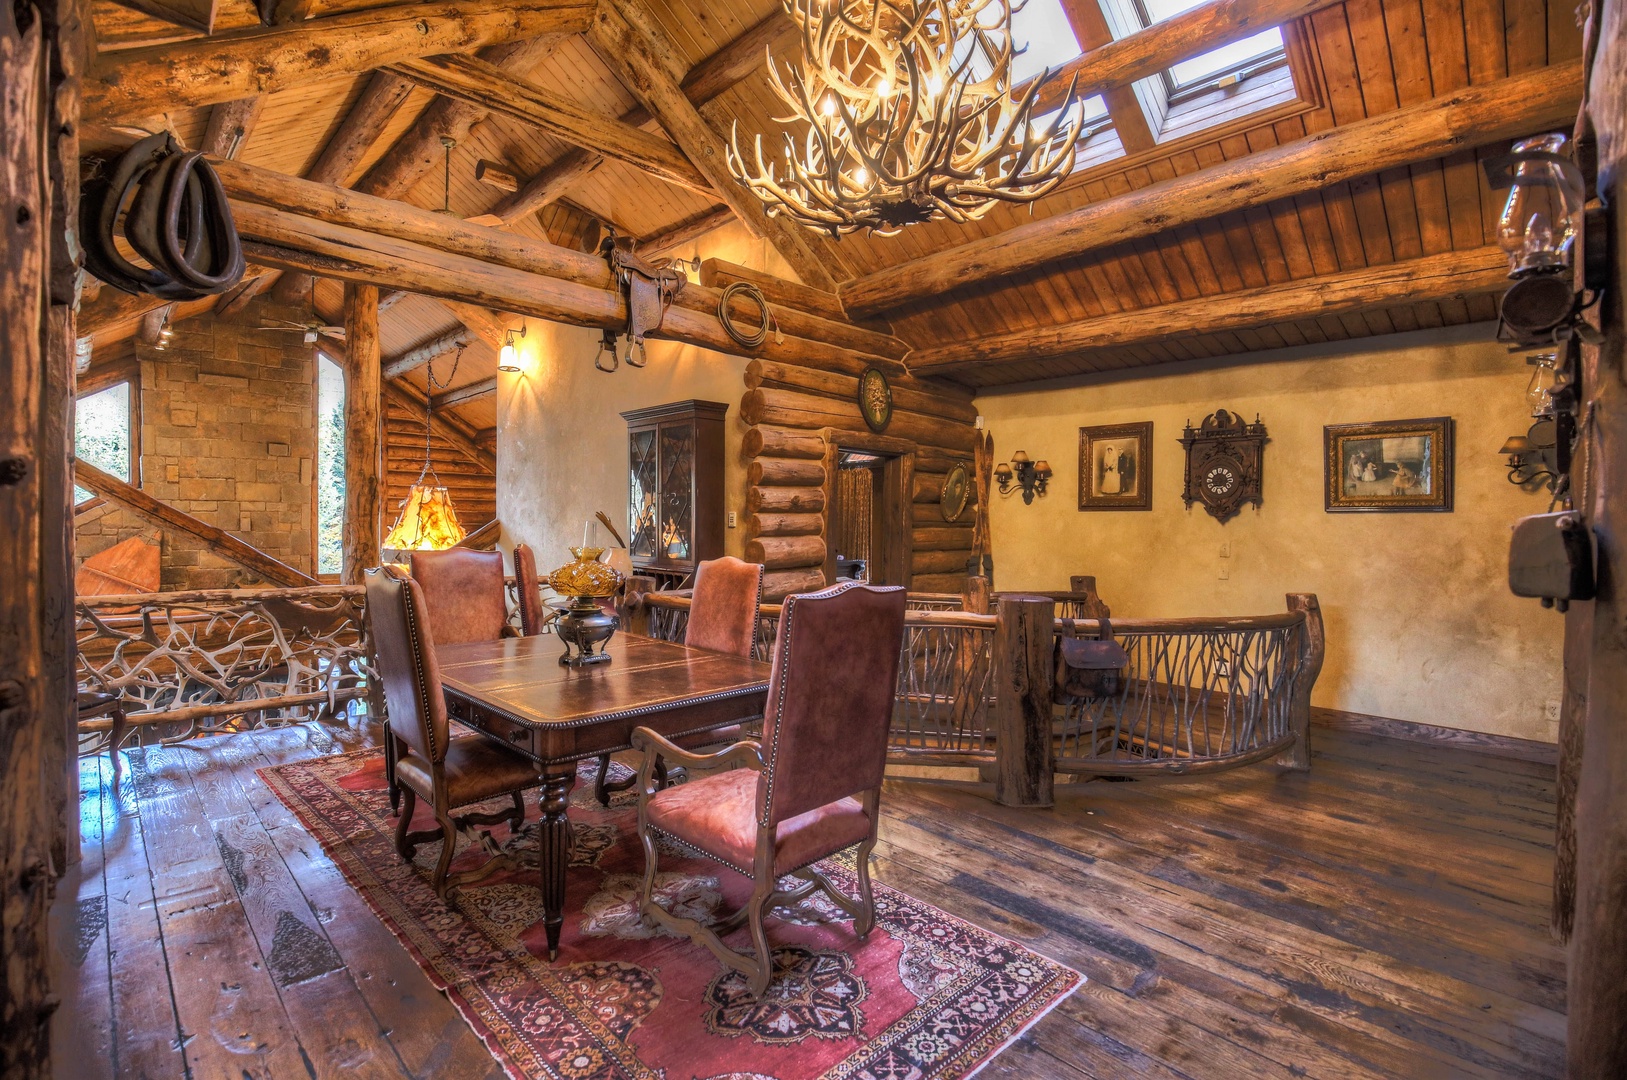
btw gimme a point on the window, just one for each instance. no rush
(1041, 29)
(330, 466)
(1224, 66)
(104, 434)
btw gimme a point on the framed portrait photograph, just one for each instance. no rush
(1393, 465)
(1115, 467)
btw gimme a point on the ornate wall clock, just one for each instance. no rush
(956, 492)
(1223, 458)
(875, 399)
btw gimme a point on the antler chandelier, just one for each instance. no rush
(907, 114)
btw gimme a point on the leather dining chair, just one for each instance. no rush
(722, 617)
(445, 772)
(810, 789)
(532, 614)
(464, 590)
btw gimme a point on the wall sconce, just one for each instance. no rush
(1534, 455)
(508, 358)
(1020, 473)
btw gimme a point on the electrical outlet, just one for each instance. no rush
(1225, 569)
(1225, 549)
(1550, 711)
(1223, 667)
(731, 519)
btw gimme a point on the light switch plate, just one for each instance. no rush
(731, 519)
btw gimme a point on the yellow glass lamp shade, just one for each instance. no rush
(1516, 444)
(427, 521)
(587, 577)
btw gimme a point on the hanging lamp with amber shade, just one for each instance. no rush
(427, 521)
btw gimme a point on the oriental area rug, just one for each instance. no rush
(926, 997)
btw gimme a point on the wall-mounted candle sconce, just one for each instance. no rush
(1020, 474)
(1533, 456)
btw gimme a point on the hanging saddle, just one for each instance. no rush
(648, 286)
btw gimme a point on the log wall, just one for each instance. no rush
(798, 418)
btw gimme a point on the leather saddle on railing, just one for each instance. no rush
(649, 287)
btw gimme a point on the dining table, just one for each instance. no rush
(517, 692)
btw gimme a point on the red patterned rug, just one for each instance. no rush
(927, 997)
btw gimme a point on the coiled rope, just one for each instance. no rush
(755, 295)
(179, 220)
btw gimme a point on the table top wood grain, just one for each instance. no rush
(523, 679)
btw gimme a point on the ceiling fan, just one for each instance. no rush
(311, 330)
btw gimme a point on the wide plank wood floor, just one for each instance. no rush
(1383, 915)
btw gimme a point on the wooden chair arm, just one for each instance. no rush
(652, 745)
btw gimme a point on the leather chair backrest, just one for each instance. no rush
(465, 593)
(830, 697)
(525, 583)
(404, 649)
(723, 607)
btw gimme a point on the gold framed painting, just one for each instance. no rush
(1115, 467)
(1396, 465)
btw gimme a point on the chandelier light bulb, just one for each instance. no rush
(884, 87)
(861, 176)
(828, 107)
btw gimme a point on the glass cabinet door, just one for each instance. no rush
(642, 494)
(677, 491)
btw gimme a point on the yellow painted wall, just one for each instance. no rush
(561, 441)
(1420, 623)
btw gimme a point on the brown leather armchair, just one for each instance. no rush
(810, 789)
(446, 772)
(723, 618)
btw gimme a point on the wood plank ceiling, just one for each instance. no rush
(1347, 62)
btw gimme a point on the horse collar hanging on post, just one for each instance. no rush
(649, 287)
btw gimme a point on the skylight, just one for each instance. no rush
(1227, 58)
(1042, 29)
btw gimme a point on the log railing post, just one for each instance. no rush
(974, 597)
(1023, 642)
(634, 612)
(1298, 756)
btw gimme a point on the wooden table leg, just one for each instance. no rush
(555, 852)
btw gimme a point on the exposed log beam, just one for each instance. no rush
(1473, 116)
(419, 150)
(364, 433)
(633, 44)
(481, 84)
(686, 231)
(459, 435)
(238, 298)
(484, 323)
(230, 124)
(391, 299)
(419, 355)
(260, 60)
(448, 399)
(1435, 277)
(196, 15)
(496, 174)
(706, 81)
(300, 243)
(349, 143)
(166, 516)
(553, 274)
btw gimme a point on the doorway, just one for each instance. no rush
(868, 497)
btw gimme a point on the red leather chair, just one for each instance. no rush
(532, 613)
(810, 789)
(446, 772)
(723, 618)
(464, 590)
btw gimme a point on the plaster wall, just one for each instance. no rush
(1420, 623)
(561, 441)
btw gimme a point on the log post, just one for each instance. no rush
(1298, 756)
(1596, 1022)
(975, 596)
(634, 612)
(1023, 637)
(363, 432)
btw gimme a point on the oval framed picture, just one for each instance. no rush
(875, 399)
(956, 492)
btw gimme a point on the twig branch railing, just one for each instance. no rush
(1197, 695)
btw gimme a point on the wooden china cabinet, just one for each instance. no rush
(675, 487)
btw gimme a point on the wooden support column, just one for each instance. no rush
(1023, 641)
(1596, 1024)
(364, 441)
(1298, 756)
